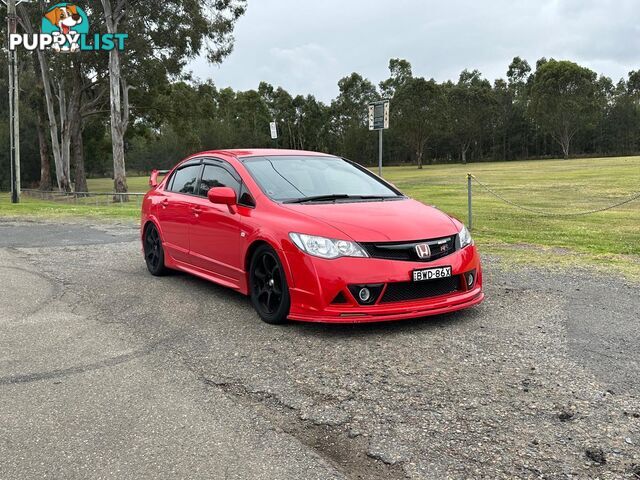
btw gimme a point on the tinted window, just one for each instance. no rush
(217, 177)
(245, 197)
(185, 179)
(286, 178)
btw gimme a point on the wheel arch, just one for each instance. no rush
(251, 249)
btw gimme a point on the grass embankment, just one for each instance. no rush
(607, 240)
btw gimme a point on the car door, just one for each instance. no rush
(215, 234)
(175, 212)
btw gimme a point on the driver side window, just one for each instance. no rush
(213, 177)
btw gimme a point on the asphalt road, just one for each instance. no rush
(107, 372)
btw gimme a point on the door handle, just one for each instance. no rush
(165, 203)
(196, 211)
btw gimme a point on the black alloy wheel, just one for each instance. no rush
(153, 252)
(268, 286)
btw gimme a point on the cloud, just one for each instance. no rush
(306, 47)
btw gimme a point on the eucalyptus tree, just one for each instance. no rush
(419, 113)
(563, 100)
(349, 115)
(400, 72)
(160, 42)
(470, 103)
(72, 90)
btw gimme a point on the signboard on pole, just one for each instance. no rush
(274, 130)
(379, 115)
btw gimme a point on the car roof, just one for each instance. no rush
(263, 152)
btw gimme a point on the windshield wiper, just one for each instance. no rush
(339, 196)
(319, 198)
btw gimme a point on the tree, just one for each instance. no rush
(66, 82)
(350, 118)
(470, 103)
(563, 100)
(206, 25)
(419, 107)
(400, 72)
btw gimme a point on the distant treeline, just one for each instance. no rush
(557, 109)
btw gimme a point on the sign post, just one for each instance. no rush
(379, 117)
(14, 99)
(274, 132)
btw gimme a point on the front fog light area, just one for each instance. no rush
(366, 294)
(470, 279)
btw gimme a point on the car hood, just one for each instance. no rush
(390, 221)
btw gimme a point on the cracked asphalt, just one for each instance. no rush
(109, 373)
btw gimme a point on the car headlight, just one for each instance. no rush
(465, 237)
(326, 247)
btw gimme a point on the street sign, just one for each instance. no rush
(274, 130)
(379, 115)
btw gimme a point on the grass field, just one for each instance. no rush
(607, 240)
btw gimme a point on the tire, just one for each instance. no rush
(268, 286)
(153, 252)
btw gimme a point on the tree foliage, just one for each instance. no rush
(564, 99)
(558, 108)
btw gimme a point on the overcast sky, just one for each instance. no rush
(306, 47)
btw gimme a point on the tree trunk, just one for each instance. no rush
(61, 177)
(77, 155)
(118, 126)
(119, 106)
(45, 161)
(65, 131)
(419, 155)
(464, 153)
(75, 130)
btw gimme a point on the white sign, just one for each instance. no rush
(274, 130)
(379, 114)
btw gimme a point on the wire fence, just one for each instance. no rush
(473, 179)
(88, 198)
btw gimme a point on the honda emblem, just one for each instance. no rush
(424, 251)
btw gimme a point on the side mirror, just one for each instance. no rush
(222, 196)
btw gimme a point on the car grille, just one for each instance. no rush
(406, 251)
(407, 291)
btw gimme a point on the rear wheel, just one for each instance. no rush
(153, 251)
(268, 286)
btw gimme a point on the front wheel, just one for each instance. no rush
(268, 286)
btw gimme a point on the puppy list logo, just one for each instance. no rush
(65, 28)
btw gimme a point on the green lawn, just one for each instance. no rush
(604, 240)
(105, 185)
(607, 239)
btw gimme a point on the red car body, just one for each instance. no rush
(216, 241)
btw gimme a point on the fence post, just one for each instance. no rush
(470, 199)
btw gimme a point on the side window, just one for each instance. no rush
(217, 177)
(246, 199)
(185, 180)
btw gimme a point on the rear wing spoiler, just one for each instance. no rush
(153, 180)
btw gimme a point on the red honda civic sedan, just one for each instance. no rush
(309, 237)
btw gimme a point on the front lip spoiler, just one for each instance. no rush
(395, 312)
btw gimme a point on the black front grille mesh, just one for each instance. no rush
(406, 251)
(407, 291)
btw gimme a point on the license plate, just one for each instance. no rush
(432, 274)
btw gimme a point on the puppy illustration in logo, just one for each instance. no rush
(66, 18)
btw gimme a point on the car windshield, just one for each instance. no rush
(302, 179)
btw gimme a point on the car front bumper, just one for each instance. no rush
(315, 284)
